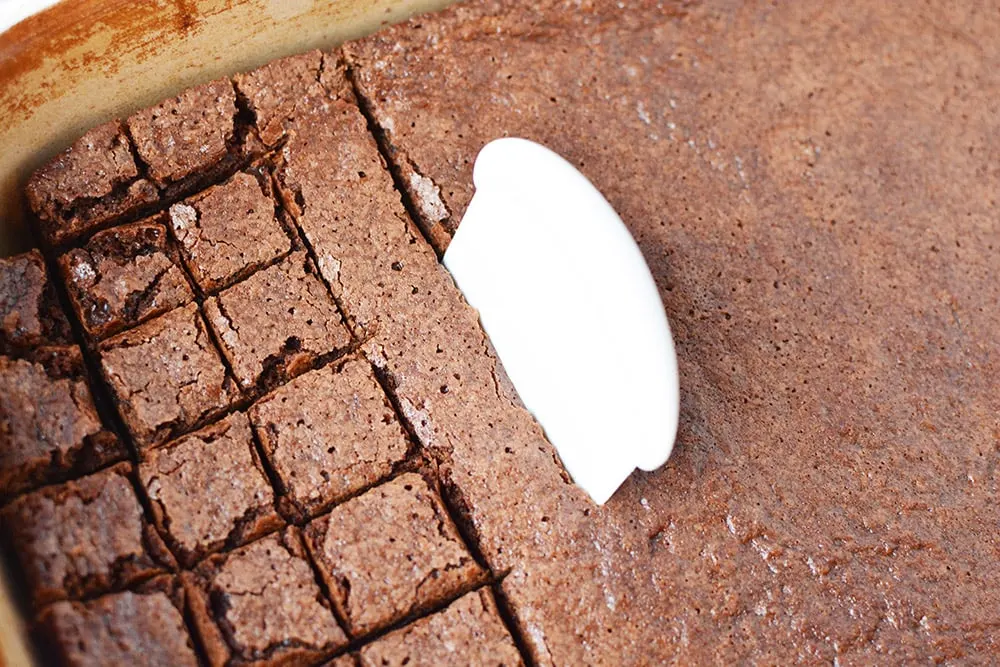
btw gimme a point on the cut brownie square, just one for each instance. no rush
(328, 434)
(230, 230)
(141, 627)
(208, 490)
(388, 553)
(89, 185)
(469, 631)
(276, 322)
(83, 538)
(30, 314)
(166, 375)
(49, 426)
(124, 276)
(261, 605)
(186, 139)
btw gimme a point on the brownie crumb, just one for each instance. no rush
(208, 490)
(329, 434)
(91, 184)
(166, 376)
(261, 605)
(276, 322)
(124, 276)
(389, 553)
(83, 538)
(49, 425)
(469, 631)
(145, 626)
(30, 314)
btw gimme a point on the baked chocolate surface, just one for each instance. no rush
(30, 315)
(124, 276)
(208, 490)
(261, 605)
(129, 628)
(328, 434)
(83, 537)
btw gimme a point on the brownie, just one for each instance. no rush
(230, 230)
(83, 537)
(327, 435)
(208, 490)
(124, 276)
(346, 660)
(273, 93)
(388, 553)
(49, 425)
(469, 631)
(166, 376)
(89, 185)
(30, 314)
(274, 324)
(144, 626)
(261, 605)
(187, 139)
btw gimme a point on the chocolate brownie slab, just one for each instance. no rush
(466, 632)
(261, 605)
(275, 323)
(83, 537)
(89, 185)
(388, 553)
(208, 489)
(124, 276)
(230, 230)
(166, 376)
(328, 434)
(49, 426)
(274, 91)
(145, 626)
(30, 314)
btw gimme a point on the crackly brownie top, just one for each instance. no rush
(29, 312)
(124, 276)
(229, 230)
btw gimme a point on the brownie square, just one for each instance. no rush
(388, 553)
(276, 322)
(140, 627)
(261, 605)
(186, 137)
(230, 230)
(124, 276)
(208, 490)
(49, 426)
(84, 537)
(166, 375)
(328, 434)
(30, 314)
(90, 184)
(469, 631)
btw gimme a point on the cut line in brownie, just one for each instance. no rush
(276, 323)
(328, 434)
(90, 185)
(30, 313)
(469, 631)
(142, 626)
(262, 605)
(50, 428)
(83, 538)
(388, 553)
(230, 230)
(166, 376)
(124, 276)
(208, 490)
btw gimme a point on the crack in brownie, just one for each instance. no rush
(261, 605)
(124, 276)
(83, 537)
(208, 490)
(388, 553)
(145, 626)
(30, 315)
(328, 434)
